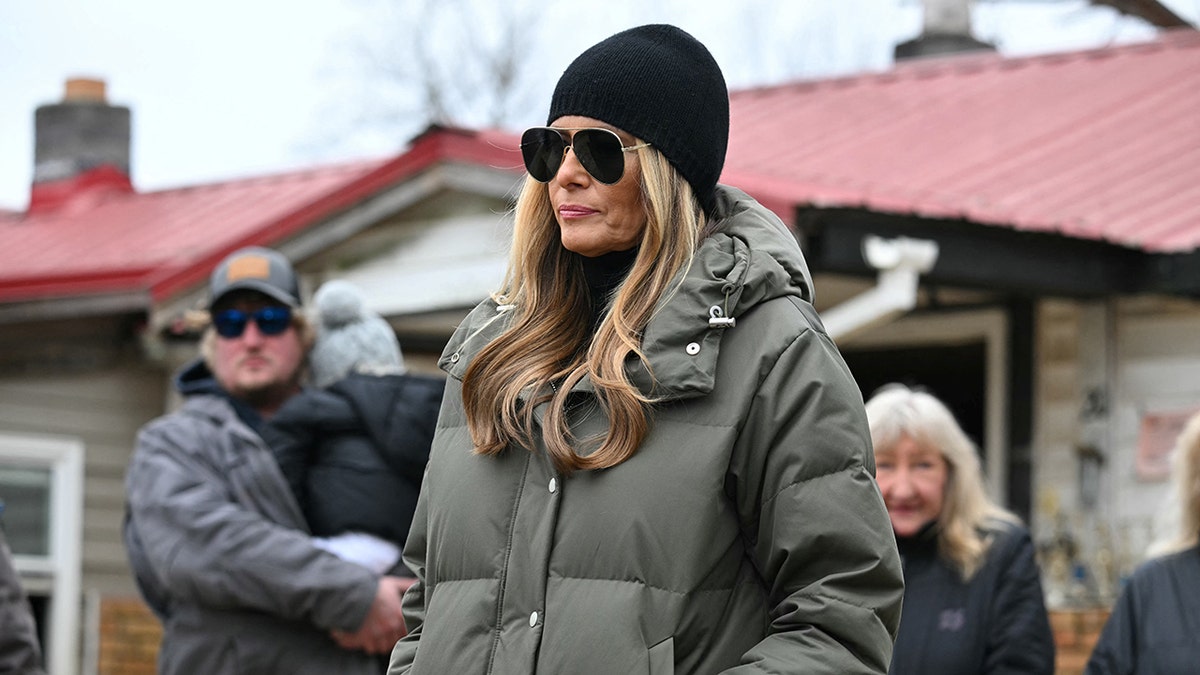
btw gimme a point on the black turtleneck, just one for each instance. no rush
(603, 274)
(924, 542)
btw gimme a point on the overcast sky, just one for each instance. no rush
(231, 88)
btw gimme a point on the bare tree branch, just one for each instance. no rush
(1156, 13)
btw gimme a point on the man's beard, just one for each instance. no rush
(268, 396)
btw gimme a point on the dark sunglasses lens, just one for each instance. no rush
(273, 320)
(599, 152)
(230, 323)
(542, 150)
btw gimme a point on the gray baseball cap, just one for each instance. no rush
(255, 269)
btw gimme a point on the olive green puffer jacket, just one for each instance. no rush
(747, 534)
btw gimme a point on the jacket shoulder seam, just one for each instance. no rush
(646, 584)
(808, 479)
(843, 600)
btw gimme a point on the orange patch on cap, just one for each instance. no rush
(248, 267)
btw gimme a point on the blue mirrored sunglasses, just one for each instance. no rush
(231, 323)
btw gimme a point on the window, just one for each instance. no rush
(41, 485)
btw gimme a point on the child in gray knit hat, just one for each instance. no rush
(354, 448)
(350, 337)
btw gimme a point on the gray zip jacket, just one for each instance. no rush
(746, 535)
(221, 552)
(20, 652)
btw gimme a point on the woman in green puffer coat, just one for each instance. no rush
(650, 457)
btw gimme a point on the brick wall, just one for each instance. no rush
(1075, 633)
(129, 637)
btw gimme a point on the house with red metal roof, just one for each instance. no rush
(1033, 226)
(1018, 235)
(97, 280)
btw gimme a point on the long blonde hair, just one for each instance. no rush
(1185, 492)
(968, 513)
(548, 347)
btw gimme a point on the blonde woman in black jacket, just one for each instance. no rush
(973, 597)
(1153, 627)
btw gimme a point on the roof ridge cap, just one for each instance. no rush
(970, 62)
(281, 174)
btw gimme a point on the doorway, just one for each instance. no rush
(962, 357)
(955, 374)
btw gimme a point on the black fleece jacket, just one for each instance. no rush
(995, 623)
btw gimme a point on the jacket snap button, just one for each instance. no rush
(553, 485)
(693, 348)
(454, 357)
(533, 620)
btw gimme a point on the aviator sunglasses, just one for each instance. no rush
(231, 323)
(598, 150)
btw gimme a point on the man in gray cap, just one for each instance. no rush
(218, 544)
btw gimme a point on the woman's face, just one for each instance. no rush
(912, 479)
(595, 218)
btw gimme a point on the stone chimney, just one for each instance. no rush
(81, 146)
(947, 30)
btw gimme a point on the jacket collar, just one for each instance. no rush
(195, 379)
(750, 259)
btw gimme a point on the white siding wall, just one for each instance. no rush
(103, 409)
(1159, 371)
(1056, 422)
(1140, 356)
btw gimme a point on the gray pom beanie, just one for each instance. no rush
(350, 337)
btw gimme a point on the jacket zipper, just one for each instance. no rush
(508, 546)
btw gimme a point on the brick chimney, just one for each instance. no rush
(81, 147)
(947, 30)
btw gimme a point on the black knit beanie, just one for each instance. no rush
(660, 84)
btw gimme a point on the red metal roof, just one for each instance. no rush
(167, 241)
(1101, 144)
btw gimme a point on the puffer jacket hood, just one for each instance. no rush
(779, 268)
(727, 278)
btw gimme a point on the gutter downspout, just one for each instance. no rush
(901, 262)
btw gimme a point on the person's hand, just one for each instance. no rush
(384, 623)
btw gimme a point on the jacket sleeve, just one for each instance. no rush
(1114, 653)
(415, 550)
(19, 648)
(205, 544)
(1021, 642)
(819, 531)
